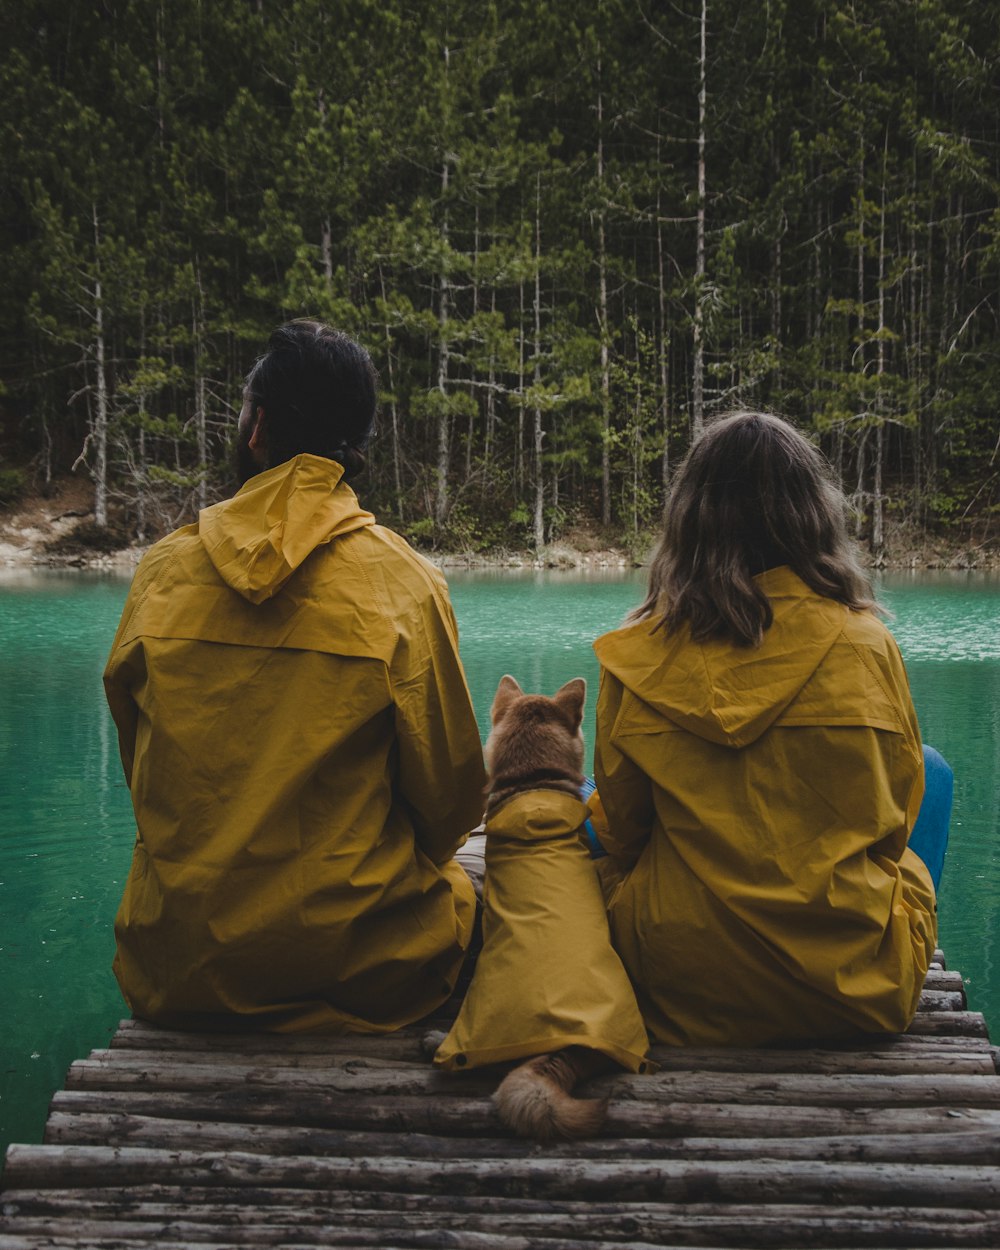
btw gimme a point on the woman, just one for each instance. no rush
(759, 763)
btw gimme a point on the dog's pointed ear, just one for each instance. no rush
(507, 692)
(571, 698)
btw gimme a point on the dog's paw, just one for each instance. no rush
(431, 1041)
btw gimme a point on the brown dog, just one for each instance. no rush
(541, 744)
(548, 984)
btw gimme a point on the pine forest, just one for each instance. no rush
(568, 233)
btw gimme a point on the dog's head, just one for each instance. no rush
(534, 739)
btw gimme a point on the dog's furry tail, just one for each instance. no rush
(534, 1100)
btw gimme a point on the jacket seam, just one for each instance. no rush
(129, 636)
(878, 679)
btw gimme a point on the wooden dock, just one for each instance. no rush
(257, 1140)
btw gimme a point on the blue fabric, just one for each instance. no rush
(596, 850)
(929, 838)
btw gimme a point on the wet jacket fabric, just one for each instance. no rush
(304, 761)
(758, 806)
(547, 976)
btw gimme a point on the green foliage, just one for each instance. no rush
(172, 189)
(13, 484)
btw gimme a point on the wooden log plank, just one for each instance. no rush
(899, 1041)
(885, 1060)
(185, 1232)
(915, 1185)
(216, 1203)
(460, 1117)
(906, 1061)
(270, 1048)
(958, 1144)
(181, 1232)
(781, 1089)
(476, 1117)
(950, 1023)
(128, 1071)
(874, 1234)
(139, 1034)
(758, 1224)
(122, 1129)
(355, 1060)
(147, 1038)
(178, 1236)
(941, 1000)
(942, 979)
(83, 1236)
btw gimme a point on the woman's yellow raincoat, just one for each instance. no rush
(759, 803)
(547, 976)
(304, 762)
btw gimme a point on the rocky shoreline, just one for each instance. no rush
(38, 533)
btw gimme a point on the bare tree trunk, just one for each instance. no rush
(519, 449)
(664, 343)
(200, 405)
(491, 399)
(140, 470)
(637, 434)
(698, 380)
(777, 265)
(860, 278)
(393, 405)
(326, 231)
(101, 417)
(46, 456)
(475, 313)
(602, 261)
(860, 258)
(161, 75)
(914, 353)
(539, 526)
(444, 417)
(878, 536)
(326, 252)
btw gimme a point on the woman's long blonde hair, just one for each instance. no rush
(751, 494)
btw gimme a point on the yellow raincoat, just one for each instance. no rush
(304, 762)
(547, 976)
(759, 803)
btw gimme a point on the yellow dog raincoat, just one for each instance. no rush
(547, 976)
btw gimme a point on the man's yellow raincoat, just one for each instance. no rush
(759, 803)
(304, 762)
(547, 976)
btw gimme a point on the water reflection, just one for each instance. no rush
(66, 824)
(65, 834)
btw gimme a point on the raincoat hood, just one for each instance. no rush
(257, 539)
(703, 689)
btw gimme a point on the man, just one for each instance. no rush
(297, 736)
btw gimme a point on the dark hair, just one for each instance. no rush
(317, 387)
(751, 494)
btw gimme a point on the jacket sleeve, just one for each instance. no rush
(626, 792)
(441, 774)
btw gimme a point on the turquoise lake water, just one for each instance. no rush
(66, 823)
